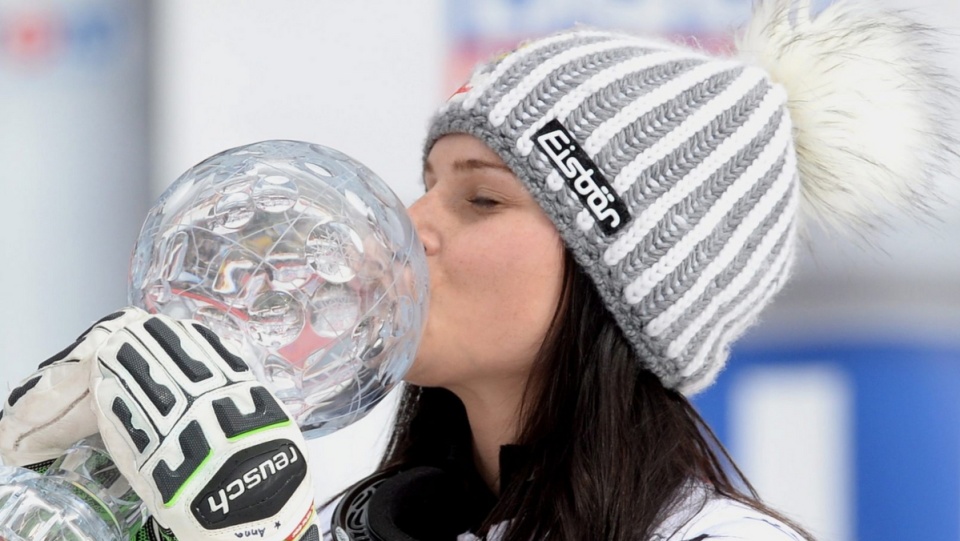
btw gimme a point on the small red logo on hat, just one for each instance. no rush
(466, 87)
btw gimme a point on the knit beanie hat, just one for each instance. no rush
(677, 179)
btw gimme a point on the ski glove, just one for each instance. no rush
(51, 409)
(212, 453)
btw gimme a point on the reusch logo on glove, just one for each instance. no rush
(582, 176)
(252, 485)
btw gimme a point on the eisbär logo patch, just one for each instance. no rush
(582, 176)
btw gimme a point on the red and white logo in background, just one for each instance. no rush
(42, 37)
(30, 37)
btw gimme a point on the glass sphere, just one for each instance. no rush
(303, 261)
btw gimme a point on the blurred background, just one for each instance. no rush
(842, 406)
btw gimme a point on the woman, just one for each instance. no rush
(525, 394)
(603, 215)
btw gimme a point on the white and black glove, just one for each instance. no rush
(51, 409)
(212, 453)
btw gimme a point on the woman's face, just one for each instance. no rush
(495, 263)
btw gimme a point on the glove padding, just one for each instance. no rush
(212, 453)
(51, 409)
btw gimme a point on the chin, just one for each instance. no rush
(428, 371)
(417, 372)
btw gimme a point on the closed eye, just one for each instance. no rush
(483, 202)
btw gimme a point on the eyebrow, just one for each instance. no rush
(472, 164)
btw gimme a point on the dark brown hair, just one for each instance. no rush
(610, 447)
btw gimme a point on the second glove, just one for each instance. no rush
(50, 410)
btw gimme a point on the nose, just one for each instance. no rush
(424, 223)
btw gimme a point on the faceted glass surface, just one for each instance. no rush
(81, 497)
(303, 261)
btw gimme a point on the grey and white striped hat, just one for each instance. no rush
(677, 179)
(670, 175)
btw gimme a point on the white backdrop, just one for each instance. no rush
(73, 180)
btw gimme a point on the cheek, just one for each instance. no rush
(494, 289)
(510, 283)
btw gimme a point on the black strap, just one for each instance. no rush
(418, 504)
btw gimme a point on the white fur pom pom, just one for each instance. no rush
(867, 104)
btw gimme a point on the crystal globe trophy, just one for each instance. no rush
(80, 497)
(303, 261)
